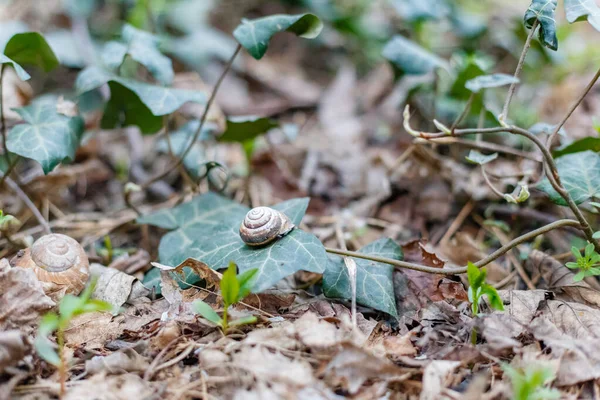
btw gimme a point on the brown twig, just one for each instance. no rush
(23, 196)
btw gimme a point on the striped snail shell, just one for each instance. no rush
(262, 225)
(58, 261)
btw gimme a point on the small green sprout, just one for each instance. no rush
(478, 288)
(234, 288)
(8, 222)
(587, 264)
(530, 383)
(69, 307)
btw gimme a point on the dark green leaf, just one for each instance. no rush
(409, 58)
(125, 108)
(207, 229)
(580, 175)
(230, 287)
(374, 283)
(580, 10)
(207, 312)
(242, 129)
(588, 143)
(478, 158)
(493, 297)
(243, 321)
(469, 68)
(490, 81)
(544, 12)
(254, 35)
(30, 48)
(46, 136)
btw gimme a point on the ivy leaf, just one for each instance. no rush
(478, 158)
(544, 12)
(143, 106)
(30, 48)
(580, 10)
(409, 58)
(21, 73)
(580, 175)
(207, 229)
(543, 127)
(244, 128)
(490, 81)
(421, 10)
(374, 283)
(254, 35)
(588, 143)
(469, 68)
(143, 48)
(47, 136)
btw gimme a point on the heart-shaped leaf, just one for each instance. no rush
(580, 175)
(580, 10)
(143, 48)
(478, 158)
(124, 106)
(469, 67)
(30, 48)
(21, 73)
(490, 81)
(409, 58)
(543, 127)
(244, 128)
(544, 12)
(374, 282)
(254, 35)
(207, 229)
(421, 10)
(47, 136)
(588, 143)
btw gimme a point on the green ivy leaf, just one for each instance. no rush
(46, 136)
(580, 10)
(207, 312)
(469, 68)
(124, 107)
(244, 128)
(142, 47)
(254, 35)
(30, 48)
(207, 229)
(544, 12)
(543, 127)
(21, 73)
(411, 59)
(374, 282)
(588, 143)
(580, 175)
(421, 10)
(230, 287)
(478, 158)
(490, 81)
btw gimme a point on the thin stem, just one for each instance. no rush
(464, 113)
(573, 108)
(9, 170)
(62, 368)
(2, 120)
(461, 270)
(224, 323)
(200, 126)
(513, 86)
(490, 184)
(23, 196)
(481, 145)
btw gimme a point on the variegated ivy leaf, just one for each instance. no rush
(374, 282)
(254, 35)
(544, 12)
(207, 229)
(411, 59)
(28, 48)
(579, 174)
(479, 158)
(490, 81)
(580, 10)
(47, 136)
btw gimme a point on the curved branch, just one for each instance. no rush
(461, 270)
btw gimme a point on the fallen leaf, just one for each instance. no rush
(113, 387)
(435, 378)
(114, 286)
(13, 347)
(126, 360)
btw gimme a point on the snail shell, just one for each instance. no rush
(262, 225)
(58, 261)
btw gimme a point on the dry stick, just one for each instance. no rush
(202, 120)
(490, 184)
(480, 145)
(23, 196)
(513, 86)
(573, 108)
(461, 270)
(350, 265)
(464, 113)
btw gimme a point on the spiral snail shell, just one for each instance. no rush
(262, 225)
(58, 261)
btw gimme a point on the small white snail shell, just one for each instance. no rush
(262, 225)
(59, 262)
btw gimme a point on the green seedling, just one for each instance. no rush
(531, 382)
(234, 288)
(69, 307)
(8, 222)
(478, 288)
(588, 264)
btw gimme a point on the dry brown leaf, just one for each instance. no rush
(13, 347)
(131, 263)
(22, 299)
(435, 378)
(113, 387)
(116, 287)
(126, 360)
(315, 333)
